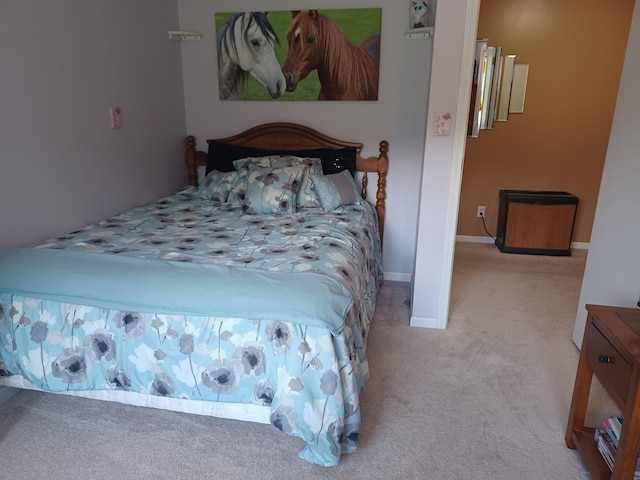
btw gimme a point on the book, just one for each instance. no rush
(611, 425)
(605, 446)
(607, 440)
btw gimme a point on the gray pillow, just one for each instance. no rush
(335, 190)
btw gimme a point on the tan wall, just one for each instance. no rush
(575, 50)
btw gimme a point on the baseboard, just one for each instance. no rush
(6, 393)
(481, 239)
(473, 239)
(580, 245)
(397, 277)
(423, 322)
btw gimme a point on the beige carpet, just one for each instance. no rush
(486, 398)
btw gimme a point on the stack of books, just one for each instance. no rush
(607, 438)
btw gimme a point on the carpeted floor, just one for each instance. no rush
(486, 398)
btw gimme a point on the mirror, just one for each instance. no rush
(498, 88)
(505, 88)
(520, 75)
(477, 88)
(495, 83)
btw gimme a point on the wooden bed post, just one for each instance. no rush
(190, 160)
(381, 194)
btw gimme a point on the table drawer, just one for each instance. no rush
(608, 365)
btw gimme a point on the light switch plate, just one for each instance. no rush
(443, 124)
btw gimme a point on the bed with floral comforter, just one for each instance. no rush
(305, 372)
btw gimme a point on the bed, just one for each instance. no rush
(247, 295)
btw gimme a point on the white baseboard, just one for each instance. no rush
(423, 322)
(397, 277)
(580, 245)
(481, 239)
(473, 239)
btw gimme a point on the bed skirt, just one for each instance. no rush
(233, 411)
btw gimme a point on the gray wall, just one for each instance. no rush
(612, 273)
(62, 65)
(398, 116)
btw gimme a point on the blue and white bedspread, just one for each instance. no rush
(196, 301)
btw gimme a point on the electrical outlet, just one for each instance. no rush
(480, 212)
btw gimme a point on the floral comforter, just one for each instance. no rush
(310, 377)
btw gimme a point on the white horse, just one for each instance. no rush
(245, 47)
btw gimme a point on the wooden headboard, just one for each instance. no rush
(291, 136)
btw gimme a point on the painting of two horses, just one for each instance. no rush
(299, 54)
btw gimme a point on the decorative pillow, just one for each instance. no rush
(217, 185)
(272, 161)
(238, 189)
(335, 190)
(272, 189)
(241, 166)
(306, 194)
(221, 156)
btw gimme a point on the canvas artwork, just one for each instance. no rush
(299, 54)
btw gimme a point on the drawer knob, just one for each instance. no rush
(604, 359)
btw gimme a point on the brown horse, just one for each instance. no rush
(346, 71)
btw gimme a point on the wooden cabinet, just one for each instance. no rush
(611, 351)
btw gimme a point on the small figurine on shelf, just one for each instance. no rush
(419, 14)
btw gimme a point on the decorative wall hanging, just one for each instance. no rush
(498, 88)
(299, 54)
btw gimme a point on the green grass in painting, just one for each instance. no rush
(357, 24)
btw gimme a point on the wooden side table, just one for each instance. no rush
(611, 351)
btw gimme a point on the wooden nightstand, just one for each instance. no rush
(611, 351)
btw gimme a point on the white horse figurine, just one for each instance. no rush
(245, 47)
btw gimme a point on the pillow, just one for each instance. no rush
(306, 194)
(272, 161)
(221, 156)
(241, 167)
(335, 190)
(217, 185)
(272, 189)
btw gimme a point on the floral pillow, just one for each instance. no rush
(217, 185)
(306, 195)
(272, 189)
(335, 190)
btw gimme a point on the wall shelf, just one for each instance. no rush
(416, 33)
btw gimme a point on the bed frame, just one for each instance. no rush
(291, 136)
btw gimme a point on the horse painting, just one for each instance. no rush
(246, 47)
(346, 71)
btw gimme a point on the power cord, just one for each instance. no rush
(485, 227)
